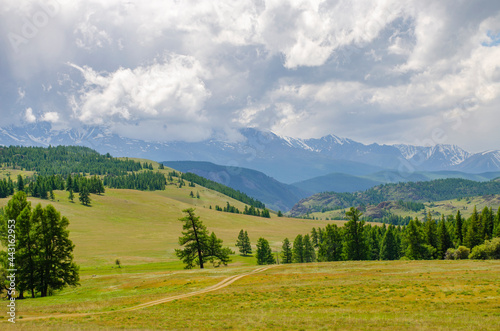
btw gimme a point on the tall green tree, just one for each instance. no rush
(458, 229)
(20, 183)
(474, 236)
(243, 243)
(443, 239)
(430, 232)
(487, 221)
(330, 246)
(414, 239)
(264, 253)
(354, 241)
(286, 251)
(389, 247)
(298, 250)
(194, 238)
(215, 253)
(309, 253)
(85, 196)
(56, 254)
(496, 227)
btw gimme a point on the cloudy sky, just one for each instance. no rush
(419, 72)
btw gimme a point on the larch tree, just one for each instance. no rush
(286, 251)
(193, 239)
(354, 241)
(264, 253)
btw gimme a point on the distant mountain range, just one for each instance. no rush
(286, 159)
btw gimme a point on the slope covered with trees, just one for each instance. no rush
(407, 193)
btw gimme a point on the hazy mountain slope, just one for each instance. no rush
(336, 182)
(274, 194)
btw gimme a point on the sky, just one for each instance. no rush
(420, 72)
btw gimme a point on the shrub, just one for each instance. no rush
(487, 251)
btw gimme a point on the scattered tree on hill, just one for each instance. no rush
(264, 253)
(71, 195)
(286, 251)
(194, 237)
(243, 243)
(85, 196)
(280, 214)
(198, 246)
(20, 183)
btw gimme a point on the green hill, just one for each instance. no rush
(436, 190)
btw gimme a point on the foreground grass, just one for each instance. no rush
(429, 295)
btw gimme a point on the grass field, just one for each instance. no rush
(142, 227)
(410, 295)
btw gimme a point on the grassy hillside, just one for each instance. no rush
(141, 227)
(396, 295)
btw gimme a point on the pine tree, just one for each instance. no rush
(373, 243)
(247, 246)
(474, 235)
(52, 197)
(298, 250)
(314, 237)
(215, 253)
(280, 214)
(354, 245)
(56, 254)
(71, 195)
(69, 183)
(20, 183)
(389, 249)
(413, 240)
(240, 242)
(286, 251)
(444, 239)
(264, 253)
(430, 232)
(194, 238)
(487, 222)
(309, 253)
(85, 196)
(330, 244)
(458, 229)
(496, 228)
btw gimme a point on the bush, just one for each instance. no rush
(487, 251)
(461, 253)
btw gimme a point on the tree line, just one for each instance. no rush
(143, 181)
(38, 245)
(452, 237)
(64, 160)
(247, 211)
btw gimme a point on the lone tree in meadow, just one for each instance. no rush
(198, 246)
(243, 243)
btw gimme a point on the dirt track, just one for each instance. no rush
(226, 282)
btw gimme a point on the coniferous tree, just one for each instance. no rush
(309, 253)
(69, 183)
(444, 240)
(458, 229)
(414, 239)
(430, 232)
(487, 221)
(330, 243)
(286, 251)
(264, 253)
(215, 253)
(194, 239)
(240, 242)
(474, 234)
(247, 246)
(314, 237)
(354, 241)
(298, 250)
(496, 228)
(373, 243)
(85, 196)
(389, 248)
(71, 195)
(20, 183)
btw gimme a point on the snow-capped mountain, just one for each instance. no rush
(284, 158)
